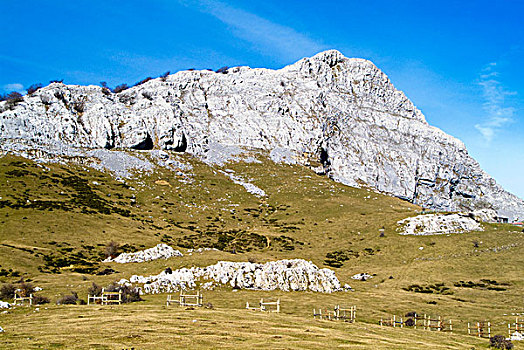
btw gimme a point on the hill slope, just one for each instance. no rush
(56, 220)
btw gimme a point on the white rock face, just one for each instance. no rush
(160, 251)
(484, 215)
(286, 275)
(438, 224)
(342, 113)
(4, 305)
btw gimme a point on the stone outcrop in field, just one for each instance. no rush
(340, 116)
(286, 275)
(438, 224)
(160, 251)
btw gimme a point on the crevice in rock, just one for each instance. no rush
(324, 158)
(182, 144)
(147, 144)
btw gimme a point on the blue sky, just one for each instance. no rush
(460, 62)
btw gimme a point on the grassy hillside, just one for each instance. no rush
(55, 221)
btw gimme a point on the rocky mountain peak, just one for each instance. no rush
(340, 116)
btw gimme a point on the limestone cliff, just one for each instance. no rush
(341, 116)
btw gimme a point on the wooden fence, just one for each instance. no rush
(428, 323)
(19, 299)
(106, 298)
(338, 313)
(346, 315)
(327, 315)
(518, 326)
(187, 299)
(436, 324)
(480, 329)
(267, 306)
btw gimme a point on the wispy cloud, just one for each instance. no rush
(13, 87)
(494, 92)
(269, 38)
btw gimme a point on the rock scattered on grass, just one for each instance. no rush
(362, 276)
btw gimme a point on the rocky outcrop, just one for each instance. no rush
(438, 224)
(341, 116)
(286, 275)
(484, 215)
(160, 251)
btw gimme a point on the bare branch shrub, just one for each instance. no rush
(164, 76)
(13, 98)
(33, 88)
(40, 299)
(120, 88)
(68, 299)
(143, 81)
(111, 249)
(95, 290)
(26, 289)
(7, 291)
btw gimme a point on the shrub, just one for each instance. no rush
(56, 81)
(33, 88)
(129, 294)
(168, 270)
(223, 70)
(164, 76)
(143, 81)
(95, 290)
(410, 322)
(7, 291)
(13, 99)
(499, 342)
(111, 249)
(106, 271)
(120, 88)
(40, 299)
(68, 299)
(105, 89)
(25, 289)
(147, 95)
